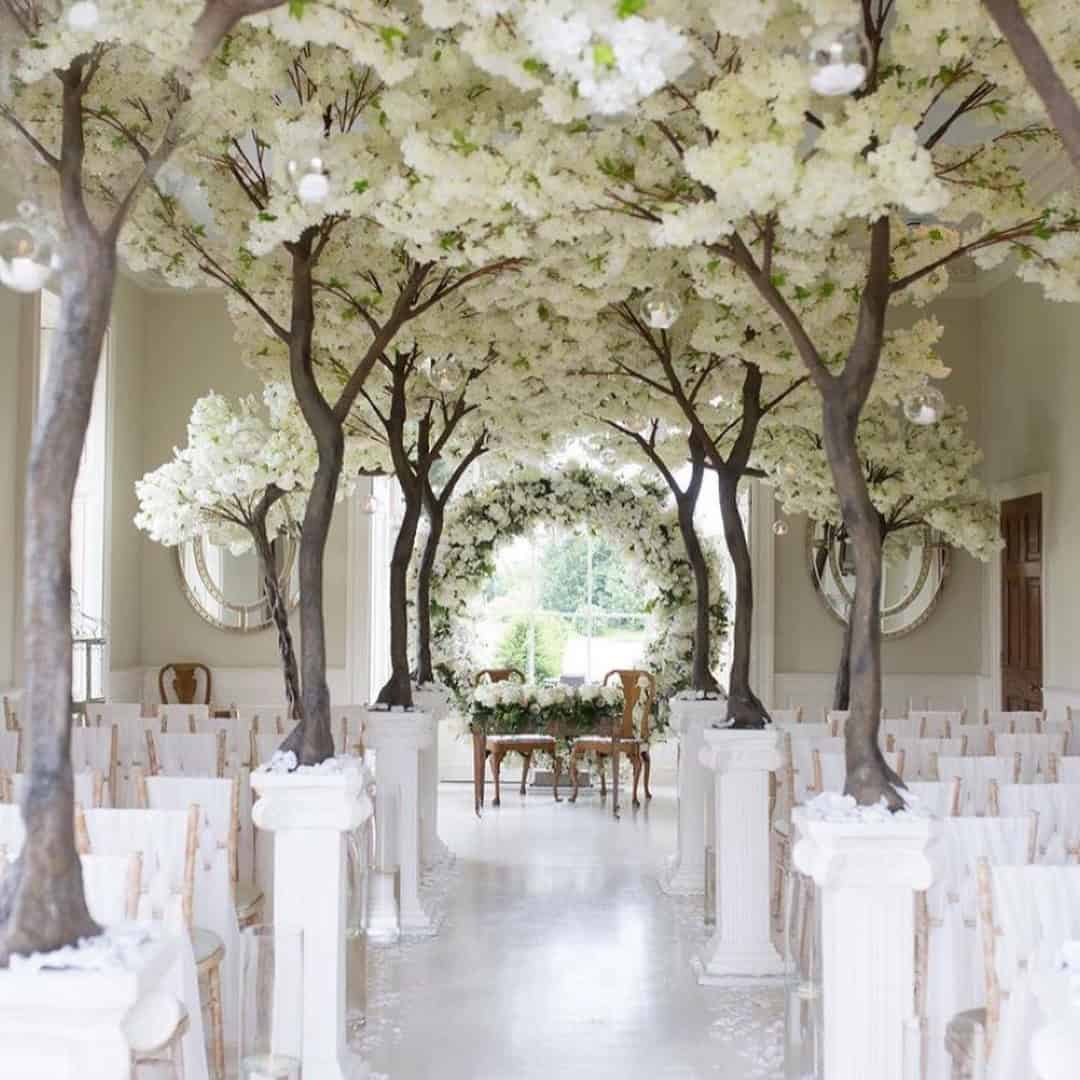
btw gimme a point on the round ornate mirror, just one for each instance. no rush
(915, 567)
(227, 590)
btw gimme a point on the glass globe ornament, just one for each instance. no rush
(924, 406)
(839, 60)
(446, 373)
(369, 504)
(660, 310)
(29, 253)
(789, 470)
(780, 527)
(83, 15)
(309, 180)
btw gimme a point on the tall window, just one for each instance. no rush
(87, 523)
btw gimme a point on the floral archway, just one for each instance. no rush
(637, 518)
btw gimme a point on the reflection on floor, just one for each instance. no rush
(560, 957)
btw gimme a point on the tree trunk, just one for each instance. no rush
(869, 779)
(279, 612)
(842, 686)
(744, 708)
(42, 905)
(425, 672)
(311, 740)
(398, 689)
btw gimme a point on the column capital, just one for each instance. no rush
(312, 799)
(731, 750)
(411, 729)
(690, 713)
(891, 852)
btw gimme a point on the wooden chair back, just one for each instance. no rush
(182, 678)
(180, 718)
(89, 787)
(501, 674)
(639, 696)
(186, 754)
(10, 750)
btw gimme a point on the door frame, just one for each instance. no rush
(1035, 484)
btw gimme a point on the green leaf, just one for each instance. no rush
(778, 280)
(449, 241)
(603, 55)
(828, 288)
(802, 293)
(360, 186)
(390, 34)
(264, 216)
(625, 8)
(296, 8)
(535, 67)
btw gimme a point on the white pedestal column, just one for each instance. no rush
(309, 812)
(432, 848)
(741, 948)
(399, 739)
(1055, 1048)
(684, 874)
(70, 1025)
(866, 873)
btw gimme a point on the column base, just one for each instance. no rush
(734, 965)
(681, 877)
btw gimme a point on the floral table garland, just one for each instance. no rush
(511, 708)
(637, 517)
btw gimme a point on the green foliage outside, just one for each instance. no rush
(564, 578)
(551, 637)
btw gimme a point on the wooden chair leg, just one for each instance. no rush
(574, 755)
(217, 1022)
(527, 755)
(601, 763)
(635, 761)
(479, 756)
(496, 767)
(647, 758)
(558, 772)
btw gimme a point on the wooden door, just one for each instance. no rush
(1021, 603)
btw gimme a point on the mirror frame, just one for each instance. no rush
(198, 545)
(931, 548)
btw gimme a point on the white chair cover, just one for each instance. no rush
(1036, 909)
(936, 796)
(1015, 723)
(347, 722)
(978, 739)
(162, 838)
(187, 755)
(264, 719)
(1058, 809)
(178, 719)
(975, 774)
(1068, 770)
(84, 788)
(919, 754)
(1034, 751)
(215, 906)
(263, 746)
(802, 759)
(905, 727)
(9, 751)
(836, 719)
(131, 725)
(1070, 724)
(106, 883)
(955, 975)
(785, 718)
(237, 737)
(937, 723)
(833, 767)
(92, 748)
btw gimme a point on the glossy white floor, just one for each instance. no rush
(560, 957)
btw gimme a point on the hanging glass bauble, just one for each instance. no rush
(446, 373)
(925, 406)
(28, 251)
(789, 470)
(309, 181)
(369, 504)
(83, 15)
(660, 310)
(839, 58)
(780, 527)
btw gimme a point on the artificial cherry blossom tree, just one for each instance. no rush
(241, 480)
(816, 162)
(52, 120)
(920, 478)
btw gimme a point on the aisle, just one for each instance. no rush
(560, 957)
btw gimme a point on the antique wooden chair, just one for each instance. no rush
(630, 736)
(495, 747)
(184, 683)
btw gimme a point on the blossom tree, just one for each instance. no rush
(328, 235)
(920, 477)
(820, 162)
(240, 480)
(61, 75)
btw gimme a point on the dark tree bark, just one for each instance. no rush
(275, 599)
(842, 686)
(398, 688)
(311, 740)
(1060, 105)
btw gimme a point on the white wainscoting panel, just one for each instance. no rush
(232, 686)
(813, 691)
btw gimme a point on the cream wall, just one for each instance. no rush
(942, 658)
(190, 351)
